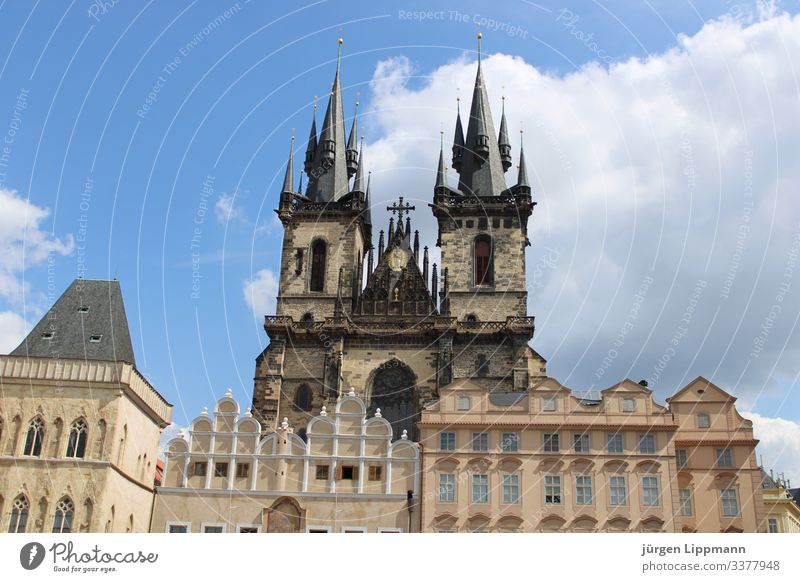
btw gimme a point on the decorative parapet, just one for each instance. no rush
(119, 374)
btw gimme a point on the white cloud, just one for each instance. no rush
(260, 292)
(680, 167)
(12, 331)
(24, 243)
(226, 211)
(779, 446)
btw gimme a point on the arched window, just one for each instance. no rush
(318, 254)
(483, 366)
(65, 513)
(483, 261)
(19, 515)
(35, 438)
(302, 434)
(302, 399)
(76, 445)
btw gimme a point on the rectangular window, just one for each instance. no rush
(322, 472)
(348, 473)
(375, 473)
(682, 458)
(242, 470)
(772, 525)
(730, 502)
(212, 529)
(650, 492)
(618, 491)
(199, 469)
(447, 487)
(447, 441)
(647, 444)
(248, 529)
(220, 469)
(510, 488)
(724, 458)
(583, 490)
(686, 502)
(552, 489)
(580, 443)
(628, 405)
(551, 444)
(480, 489)
(510, 442)
(703, 420)
(480, 441)
(464, 402)
(178, 528)
(615, 443)
(549, 404)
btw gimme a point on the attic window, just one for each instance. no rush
(95, 338)
(83, 309)
(48, 335)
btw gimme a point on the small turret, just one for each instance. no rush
(289, 176)
(502, 141)
(353, 158)
(458, 140)
(311, 148)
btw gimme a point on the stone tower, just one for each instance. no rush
(380, 319)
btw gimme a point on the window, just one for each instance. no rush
(249, 529)
(447, 441)
(242, 470)
(178, 528)
(686, 501)
(35, 438)
(483, 260)
(318, 252)
(76, 445)
(220, 469)
(19, 515)
(95, 338)
(480, 489)
(615, 443)
(447, 487)
(703, 420)
(618, 491)
(510, 488)
(348, 473)
(730, 502)
(682, 458)
(375, 473)
(549, 404)
(199, 469)
(650, 492)
(480, 441)
(212, 529)
(298, 261)
(464, 402)
(83, 309)
(65, 512)
(320, 529)
(322, 472)
(353, 529)
(772, 525)
(551, 444)
(48, 335)
(724, 458)
(628, 405)
(583, 490)
(580, 443)
(483, 366)
(510, 442)
(302, 398)
(647, 444)
(552, 489)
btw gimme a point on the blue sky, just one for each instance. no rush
(148, 141)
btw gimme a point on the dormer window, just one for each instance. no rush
(47, 335)
(95, 339)
(464, 403)
(83, 309)
(628, 405)
(549, 404)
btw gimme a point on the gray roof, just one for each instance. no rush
(86, 323)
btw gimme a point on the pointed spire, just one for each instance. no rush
(353, 159)
(311, 148)
(445, 303)
(416, 244)
(368, 205)
(502, 141)
(425, 265)
(522, 175)
(408, 226)
(370, 262)
(358, 183)
(391, 230)
(380, 246)
(289, 176)
(300, 187)
(458, 139)
(441, 177)
(435, 286)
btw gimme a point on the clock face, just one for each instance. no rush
(397, 259)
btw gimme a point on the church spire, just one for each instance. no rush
(522, 175)
(502, 141)
(358, 183)
(368, 202)
(289, 176)
(458, 139)
(311, 148)
(482, 172)
(441, 178)
(352, 155)
(327, 178)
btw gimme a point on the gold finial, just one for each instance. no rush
(341, 40)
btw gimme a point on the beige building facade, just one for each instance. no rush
(347, 476)
(782, 514)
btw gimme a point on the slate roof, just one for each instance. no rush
(87, 323)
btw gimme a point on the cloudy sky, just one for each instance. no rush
(147, 143)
